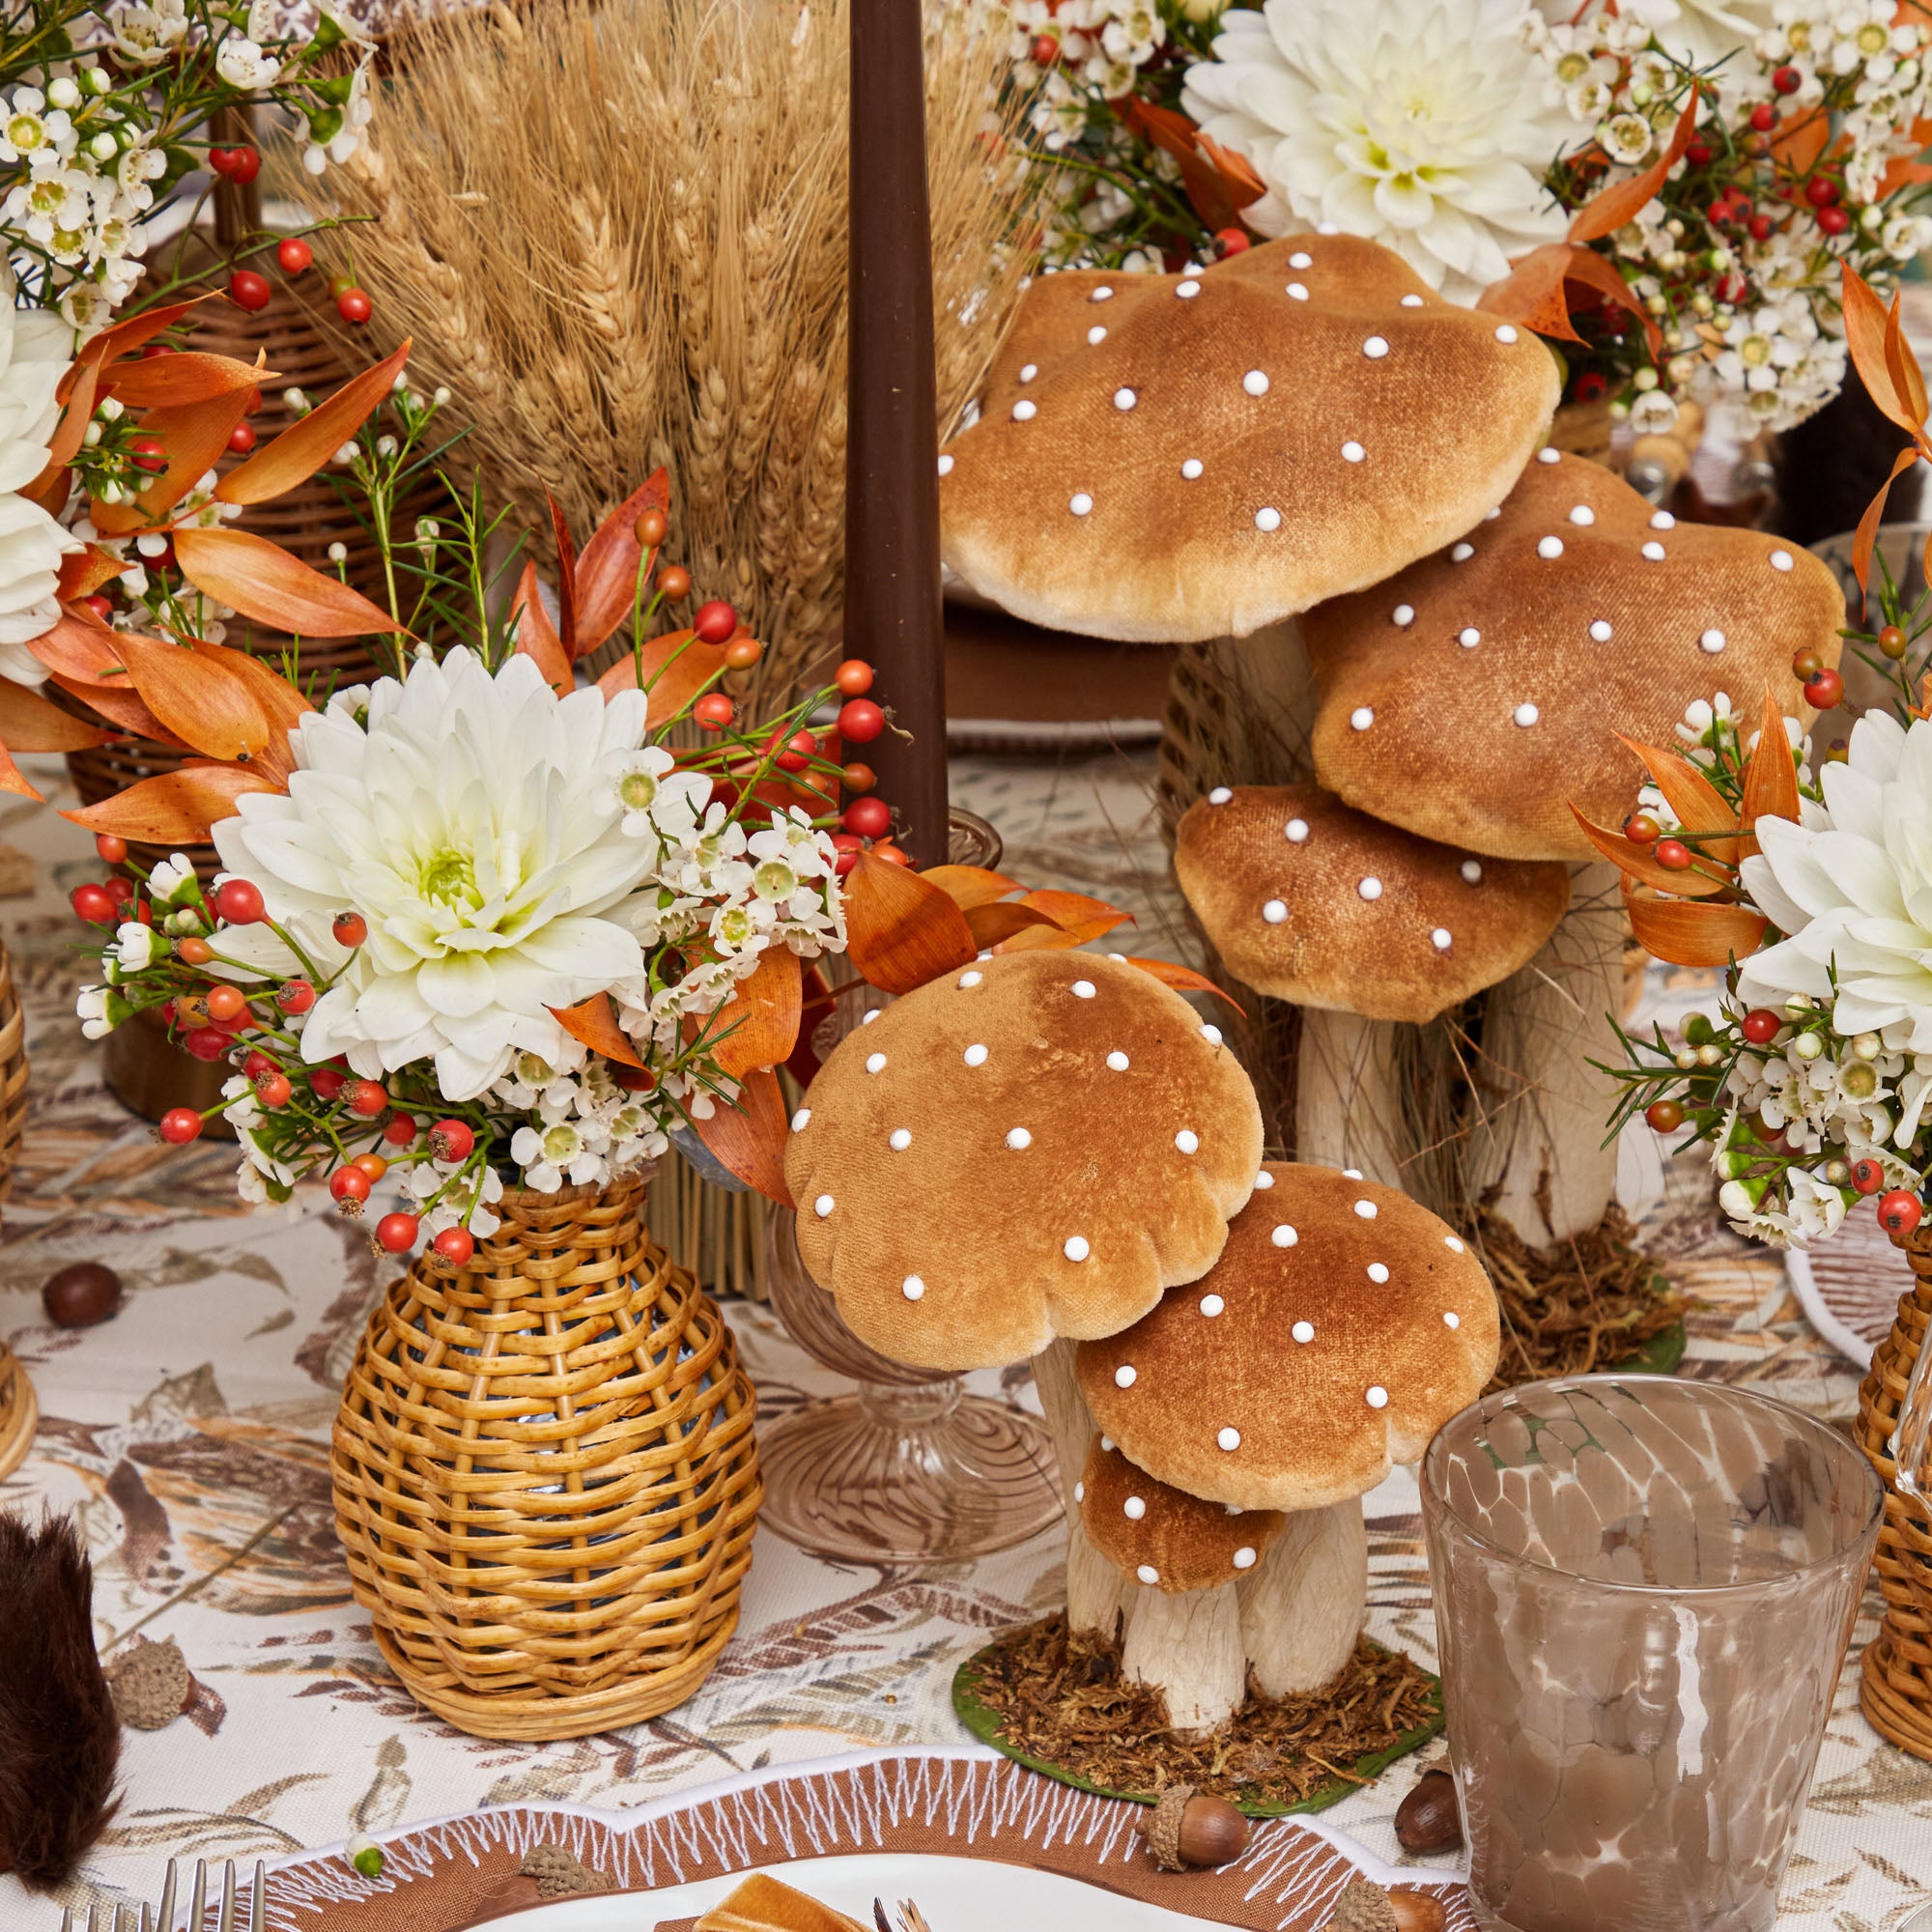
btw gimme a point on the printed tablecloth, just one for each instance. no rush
(189, 1436)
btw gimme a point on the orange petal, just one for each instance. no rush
(750, 1137)
(901, 930)
(969, 885)
(1637, 863)
(1688, 934)
(1771, 779)
(1603, 213)
(121, 705)
(1071, 909)
(594, 1021)
(306, 445)
(1186, 980)
(262, 581)
(758, 1026)
(167, 382)
(613, 562)
(201, 700)
(536, 636)
(195, 436)
(1865, 326)
(82, 572)
(80, 647)
(28, 723)
(176, 807)
(993, 924)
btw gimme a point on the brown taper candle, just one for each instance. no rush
(893, 614)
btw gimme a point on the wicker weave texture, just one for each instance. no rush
(545, 1474)
(19, 1413)
(1896, 1686)
(13, 1071)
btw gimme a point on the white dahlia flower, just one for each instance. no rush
(36, 347)
(471, 819)
(1851, 887)
(1419, 123)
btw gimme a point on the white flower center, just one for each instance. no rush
(638, 790)
(448, 876)
(775, 880)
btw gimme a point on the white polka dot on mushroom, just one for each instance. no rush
(1662, 519)
(1403, 615)
(1079, 1492)
(1525, 715)
(1018, 1139)
(1379, 1271)
(1147, 1574)
(1083, 990)
(1469, 637)
(1713, 641)
(1102, 293)
(1411, 301)
(1298, 290)
(971, 979)
(1244, 1558)
(1781, 560)
(1379, 1397)
(1030, 370)
(1301, 259)
(1366, 1210)
(1267, 518)
(1229, 1440)
(899, 1139)
(1263, 1180)
(1303, 1331)
(1211, 1305)
(975, 1055)
(823, 1205)
(1374, 348)
(1097, 335)
(1133, 1509)
(1187, 291)
(1440, 939)
(1601, 632)
(1548, 455)
(1256, 383)
(1283, 1236)
(1653, 552)
(912, 1288)
(1550, 546)
(1024, 411)
(799, 1120)
(1076, 1247)
(1296, 831)
(1187, 1141)
(1192, 469)
(1080, 503)
(1275, 911)
(1582, 515)
(1361, 717)
(1451, 1243)
(870, 1015)
(1506, 333)
(1220, 795)
(946, 466)
(1118, 1061)
(875, 1063)
(1352, 451)
(1370, 888)
(1211, 1035)
(1461, 553)
(1473, 871)
(1125, 1376)
(1124, 399)
(1451, 1320)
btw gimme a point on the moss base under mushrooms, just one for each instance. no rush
(1058, 1703)
(1593, 1303)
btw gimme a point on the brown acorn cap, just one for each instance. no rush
(1033, 1146)
(1161, 1536)
(1166, 457)
(1341, 1326)
(1475, 695)
(1311, 901)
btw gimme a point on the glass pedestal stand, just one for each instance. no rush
(910, 1468)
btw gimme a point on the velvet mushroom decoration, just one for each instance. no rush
(1363, 925)
(1479, 694)
(1031, 1147)
(1166, 459)
(1341, 1326)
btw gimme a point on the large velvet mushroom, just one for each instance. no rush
(1474, 697)
(1341, 1326)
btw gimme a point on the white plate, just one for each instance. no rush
(956, 1895)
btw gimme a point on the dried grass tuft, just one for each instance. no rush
(618, 232)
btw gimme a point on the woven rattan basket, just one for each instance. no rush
(18, 1412)
(1896, 1686)
(545, 1477)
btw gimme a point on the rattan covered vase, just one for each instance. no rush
(1895, 1689)
(20, 1413)
(545, 1475)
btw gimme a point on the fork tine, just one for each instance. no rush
(164, 1913)
(197, 1905)
(226, 1921)
(67, 1919)
(257, 1909)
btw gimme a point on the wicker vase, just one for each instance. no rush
(1895, 1690)
(545, 1476)
(18, 1411)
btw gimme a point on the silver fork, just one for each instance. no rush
(253, 1901)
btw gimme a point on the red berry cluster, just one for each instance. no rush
(247, 289)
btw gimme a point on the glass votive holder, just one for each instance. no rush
(1644, 1589)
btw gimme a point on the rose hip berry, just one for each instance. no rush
(179, 1125)
(1760, 1026)
(294, 996)
(1867, 1176)
(94, 904)
(397, 1233)
(861, 720)
(351, 929)
(1899, 1212)
(368, 1098)
(240, 902)
(715, 622)
(248, 290)
(1664, 1117)
(871, 817)
(295, 255)
(349, 1183)
(455, 1245)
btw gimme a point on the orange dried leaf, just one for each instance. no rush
(262, 581)
(1605, 213)
(1771, 779)
(1867, 325)
(195, 436)
(758, 1026)
(306, 445)
(167, 382)
(903, 930)
(204, 702)
(82, 572)
(12, 778)
(566, 580)
(536, 636)
(1902, 365)
(121, 705)
(1801, 140)
(676, 667)
(969, 885)
(82, 648)
(750, 1137)
(28, 723)
(611, 563)
(1698, 803)
(594, 1022)
(1184, 980)
(1075, 909)
(175, 808)
(1684, 933)
(1639, 863)
(1865, 536)
(993, 924)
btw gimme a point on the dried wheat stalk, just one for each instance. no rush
(618, 232)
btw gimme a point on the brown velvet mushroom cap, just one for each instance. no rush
(1161, 1536)
(1341, 1326)
(1312, 901)
(1033, 1146)
(1167, 458)
(1473, 697)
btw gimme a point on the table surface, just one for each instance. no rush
(189, 1438)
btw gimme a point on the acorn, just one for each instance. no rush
(80, 1294)
(1365, 1907)
(1428, 1819)
(1189, 1828)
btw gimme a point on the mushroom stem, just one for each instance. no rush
(1095, 1593)
(1301, 1606)
(1541, 1133)
(1188, 1645)
(1348, 1102)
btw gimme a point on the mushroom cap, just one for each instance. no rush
(1341, 1326)
(1167, 458)
(1473, 697)
(1033, 1146)
(1158, 1535)
(1310, 901)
